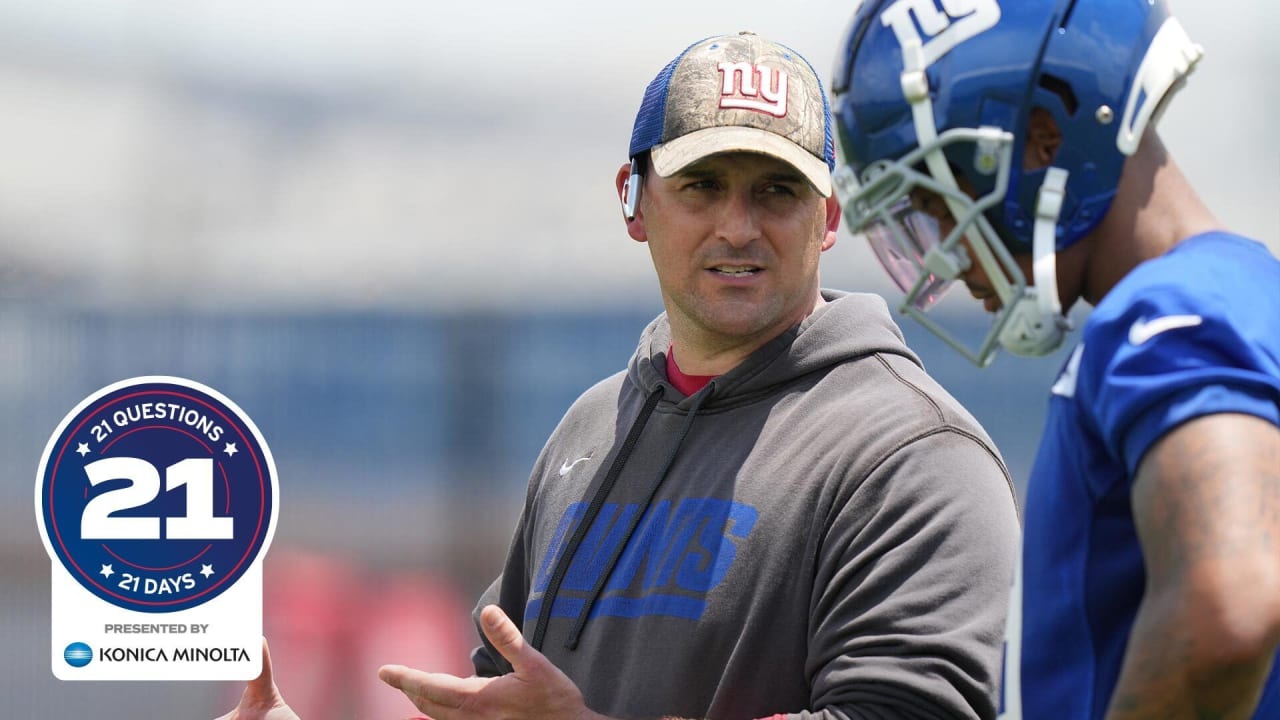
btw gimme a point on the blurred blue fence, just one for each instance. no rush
(430, 398)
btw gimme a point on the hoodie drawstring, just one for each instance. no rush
(597, 502)
(572, 642)
(593, 510)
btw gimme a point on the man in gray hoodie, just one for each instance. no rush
(773, 511)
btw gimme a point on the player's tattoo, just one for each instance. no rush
(1207, 506)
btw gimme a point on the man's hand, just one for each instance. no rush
(261, 699)
(535, 688)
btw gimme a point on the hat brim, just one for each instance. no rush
(671, 157)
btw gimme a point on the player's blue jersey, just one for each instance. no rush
(1191, 333)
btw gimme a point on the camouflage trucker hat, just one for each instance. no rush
(737, 93)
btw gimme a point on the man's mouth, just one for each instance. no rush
(736, 270)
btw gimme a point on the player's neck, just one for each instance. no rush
(1155, 208)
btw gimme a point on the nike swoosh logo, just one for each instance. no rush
(1143, 330)
(567, 466)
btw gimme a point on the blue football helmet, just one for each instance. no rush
(937, 94)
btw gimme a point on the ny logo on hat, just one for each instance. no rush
(753, 87)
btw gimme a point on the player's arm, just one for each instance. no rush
(1206, 502)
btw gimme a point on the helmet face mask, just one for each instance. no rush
(901, 243)
(909, 243)
(923, 95)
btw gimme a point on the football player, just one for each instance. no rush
(1011, 146)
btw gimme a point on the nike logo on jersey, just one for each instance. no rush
(1143, 329)
(567, 466)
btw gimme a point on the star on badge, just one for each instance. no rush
(82, 449)
(106, 570)
(230, 449)
(206, 570)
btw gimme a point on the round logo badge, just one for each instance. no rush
(156, 494)
(78, 654)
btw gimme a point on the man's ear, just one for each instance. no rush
(629, 197)
(833, 222)
(1043, 140)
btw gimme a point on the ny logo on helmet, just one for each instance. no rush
(753, 87)
(955, 22)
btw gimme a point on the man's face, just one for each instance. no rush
(735, 240)
(975, 277)
(1043, 141)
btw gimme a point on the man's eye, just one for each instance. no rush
(780, 189)
(928, 204)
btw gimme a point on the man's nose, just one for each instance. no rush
(737, 223)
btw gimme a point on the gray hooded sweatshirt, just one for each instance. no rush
(820, 532)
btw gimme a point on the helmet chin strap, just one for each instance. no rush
(1036, 325)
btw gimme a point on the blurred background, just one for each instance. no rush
(388, 231)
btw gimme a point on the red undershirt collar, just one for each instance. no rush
(687, 384)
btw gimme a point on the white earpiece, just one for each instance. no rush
(631, 192)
